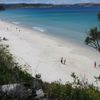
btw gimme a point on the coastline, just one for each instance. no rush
(43, 53)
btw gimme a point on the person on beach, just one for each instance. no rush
(65, 62)
(99, 66)
(95, 64)
(61, 60)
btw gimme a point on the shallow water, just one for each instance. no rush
(69, 22)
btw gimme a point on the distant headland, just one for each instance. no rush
(39, 5)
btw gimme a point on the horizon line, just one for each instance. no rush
(50, 3)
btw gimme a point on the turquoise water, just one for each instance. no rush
(68, 23)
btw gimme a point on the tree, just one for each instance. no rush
(93, 38)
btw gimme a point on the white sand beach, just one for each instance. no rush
(43, 53)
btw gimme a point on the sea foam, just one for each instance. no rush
(39, 29)
(17, 23)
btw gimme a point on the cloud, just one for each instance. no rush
(48, 1)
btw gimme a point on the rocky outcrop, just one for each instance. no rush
(20, 92)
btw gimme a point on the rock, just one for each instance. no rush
(19, 91)
(40, 93)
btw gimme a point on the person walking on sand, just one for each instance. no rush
(95, 64)
(99, 65)
(61, 60)
(65, 61)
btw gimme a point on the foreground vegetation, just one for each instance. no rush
(67, 92)
(11, 72)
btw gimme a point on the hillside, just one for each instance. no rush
(25, 5)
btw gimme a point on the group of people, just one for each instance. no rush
(16, 29)
(63, 61)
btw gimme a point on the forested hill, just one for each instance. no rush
(25, 5)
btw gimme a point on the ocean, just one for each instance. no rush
(67, 23)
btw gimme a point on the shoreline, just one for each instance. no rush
(43, 53)
(48, 34)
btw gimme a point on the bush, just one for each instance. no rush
(10, 70)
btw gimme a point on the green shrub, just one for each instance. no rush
(10, 70)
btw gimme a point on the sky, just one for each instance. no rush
(49, 1)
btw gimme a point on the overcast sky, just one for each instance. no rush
(49, 1)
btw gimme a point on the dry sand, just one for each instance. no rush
(43, 53)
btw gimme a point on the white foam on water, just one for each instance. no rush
(17, 23)
(39, 29)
